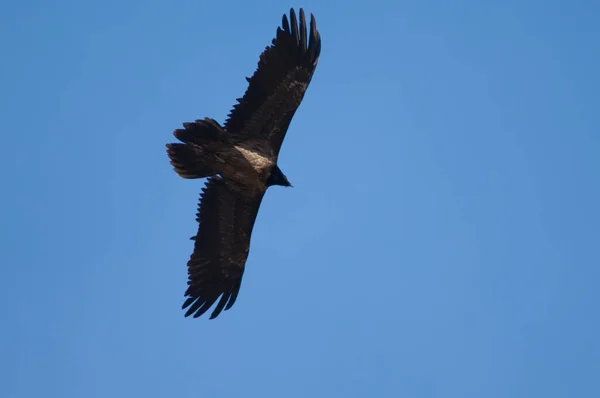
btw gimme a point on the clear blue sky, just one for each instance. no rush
(441, 239)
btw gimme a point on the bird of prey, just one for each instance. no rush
(240, 160)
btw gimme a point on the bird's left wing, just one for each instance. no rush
(216, 266)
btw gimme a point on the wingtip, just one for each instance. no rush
(305, 35)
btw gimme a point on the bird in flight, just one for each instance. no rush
(240, 160)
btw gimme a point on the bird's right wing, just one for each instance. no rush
(216, 266)
(278, 85)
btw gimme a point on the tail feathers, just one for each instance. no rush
(187, 161)
(201, 132)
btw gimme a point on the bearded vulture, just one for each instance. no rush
(240, 160)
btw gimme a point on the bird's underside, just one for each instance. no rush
(240, 160)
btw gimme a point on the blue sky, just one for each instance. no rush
(441, 239)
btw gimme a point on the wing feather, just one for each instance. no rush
(221, 247)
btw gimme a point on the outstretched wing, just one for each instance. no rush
(216, 266)
(277, 87)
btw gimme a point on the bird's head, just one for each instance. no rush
(278, 178)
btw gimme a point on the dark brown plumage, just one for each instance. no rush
(240, 159)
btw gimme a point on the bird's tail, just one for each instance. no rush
(187, 161)
(197, 138)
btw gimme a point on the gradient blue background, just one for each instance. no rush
(441, 239)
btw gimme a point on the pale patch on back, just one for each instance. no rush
(259, 161)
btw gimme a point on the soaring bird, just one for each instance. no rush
(240, 160)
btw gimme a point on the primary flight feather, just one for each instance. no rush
(240, 159)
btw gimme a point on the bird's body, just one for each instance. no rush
(240, 159)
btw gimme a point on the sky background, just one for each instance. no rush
(441, 239)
